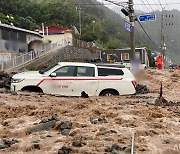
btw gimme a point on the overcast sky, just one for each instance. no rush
(150, 8)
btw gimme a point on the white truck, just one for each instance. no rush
(71, 79)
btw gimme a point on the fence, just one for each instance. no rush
(24, 59)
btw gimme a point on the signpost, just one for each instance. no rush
(128, 27)
(147, 17)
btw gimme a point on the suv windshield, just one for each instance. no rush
(47, 69)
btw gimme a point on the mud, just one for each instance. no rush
(97, 124)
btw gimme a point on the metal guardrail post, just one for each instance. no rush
(2, 66)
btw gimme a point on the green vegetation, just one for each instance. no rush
(99, 23)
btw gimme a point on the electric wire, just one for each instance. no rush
(145, 5)
(150, 6)
(147, 34)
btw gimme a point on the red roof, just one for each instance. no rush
(54, 29)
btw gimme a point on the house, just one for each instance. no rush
(124, 55)
(54, 34)
(14, 41)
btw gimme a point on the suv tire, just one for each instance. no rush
(108, 93)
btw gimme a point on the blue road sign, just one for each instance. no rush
(147, 17)
(128, 27)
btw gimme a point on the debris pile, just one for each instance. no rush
(5, 79)
(141, 89)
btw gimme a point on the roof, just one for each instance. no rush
(54, 29)
(110, 65)
(20, 29)
(124, 49)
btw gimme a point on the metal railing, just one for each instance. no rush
(24, 59)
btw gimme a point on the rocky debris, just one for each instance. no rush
(36, 146)
(45, 124)
(6, 143)
(78, 143)
(65, 127)
(5, 80)
(114, 148)
(84, 95)
(65, 132)
(141, 89)
(100, 120)
(64, 150)
(161, 101)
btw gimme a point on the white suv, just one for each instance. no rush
(71, 79)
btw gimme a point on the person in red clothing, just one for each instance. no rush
(159, 61)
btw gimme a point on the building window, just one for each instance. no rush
(5, 34)
(22, 37)
(125, 56)
(13, 35)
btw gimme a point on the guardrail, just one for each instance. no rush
(24, 59)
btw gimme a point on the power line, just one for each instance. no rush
(167, 4)
(147, 34)
(145, 5)
(160, 4)
(150, 6)
(157, 5)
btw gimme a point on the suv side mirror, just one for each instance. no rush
(53, 75)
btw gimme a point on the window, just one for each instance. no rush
(21, 36)
(109, 72)
(13, 35)
(125, 56)
(85, 71)
(5, 34)
(65, 71)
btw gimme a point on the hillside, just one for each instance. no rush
(171, 32)
(99, 23)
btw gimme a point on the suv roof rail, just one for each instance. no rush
(110, 65)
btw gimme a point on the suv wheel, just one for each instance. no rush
(108, 93)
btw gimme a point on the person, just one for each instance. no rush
(111, 59)
(159, 61)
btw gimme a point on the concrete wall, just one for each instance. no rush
(69, 53)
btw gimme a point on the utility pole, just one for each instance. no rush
(162, 38)
(132, 36)
(80, 22)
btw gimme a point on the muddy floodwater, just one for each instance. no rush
(95, 124)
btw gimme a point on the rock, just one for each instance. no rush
(36, 146)
(64, 150)
(65, 132)
(98, 120)
(65, 125)
(55, 117)
(6, 143)
(114, 149)
(93, 120)
(2, 144)
(44, 126)
(162, 102)
(141, 89)
(127, 149)
(78, 143)
(73, 133)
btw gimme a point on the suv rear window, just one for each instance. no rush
(109, 72)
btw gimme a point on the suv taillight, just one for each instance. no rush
(134, 83)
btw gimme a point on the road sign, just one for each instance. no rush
(128, 27)
(147, 17)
